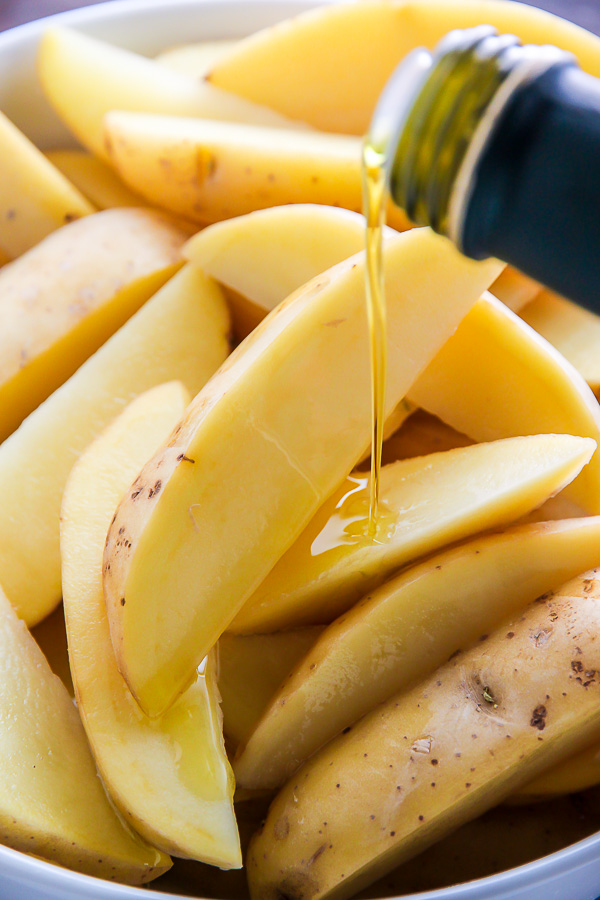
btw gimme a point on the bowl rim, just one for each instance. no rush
(24, 868)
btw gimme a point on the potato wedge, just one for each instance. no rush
(52, 803)
(94, 178)
(170, 779)
(301, 68)
(35, 197)
(207, 170)
(84, 78)
(65, 297)
(265, 255)
(574, 331)
(430, 759)
(575, 774)
(496, 377)
(251, 669)
(403, 631)
(181, 333)
(259, 451)
(426, 502)
(195, 59)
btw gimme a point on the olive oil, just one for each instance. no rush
(374, 203)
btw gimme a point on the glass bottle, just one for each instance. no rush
(497, 146)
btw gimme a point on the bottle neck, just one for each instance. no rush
(446, 107)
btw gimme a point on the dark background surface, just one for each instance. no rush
(13, 12)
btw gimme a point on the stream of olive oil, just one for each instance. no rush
(374, 204)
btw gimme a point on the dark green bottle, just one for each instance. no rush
(497, 146)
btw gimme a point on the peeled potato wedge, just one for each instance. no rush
(403, 631)
(84, 78)
(437, 756)
(208, 170)
(574, 331)
(181, 333)
(35, 197)
(52, 803)
(263, 256)
(259, 451)
(301, 67)
(195, 59)
(251, 669)
(170, 779)
(420, 435)
(496, 377)
(64, 298)
(94, 178)
(426, 502)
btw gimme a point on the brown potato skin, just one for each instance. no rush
(431, 759)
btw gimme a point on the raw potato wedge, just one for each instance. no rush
(301, 68)
(64, 298)
(265, 255)
(195, 59)
(208, 170)
(575, 774)
(251, 669)
(496, 378)
(94, 178)
(52, 803)
(35, 198)
(433, 758)
(404, 631)
(272, 436)
(84, 78)
(574, 332)
(170, 779)
(426, 502)
(181, 333)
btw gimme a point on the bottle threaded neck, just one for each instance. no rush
(449, 118)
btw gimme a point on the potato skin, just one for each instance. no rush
(431, 759)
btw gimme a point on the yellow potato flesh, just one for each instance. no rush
(65, 297)
(301, 66)
(35, 198)
(94, 178)
(426, 502)
(496, 378)
(251, 669)
(575, 332)
(265, 255)
(52, 802)
(169, 778)
(428, 760)
(181, 333)
(580, 772)
(265, 444)
(207, 170)
(404, 631)
(84, 78)
(195, 59)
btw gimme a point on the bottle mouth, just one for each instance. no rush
(437, 113)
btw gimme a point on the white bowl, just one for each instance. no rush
(149, 26)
